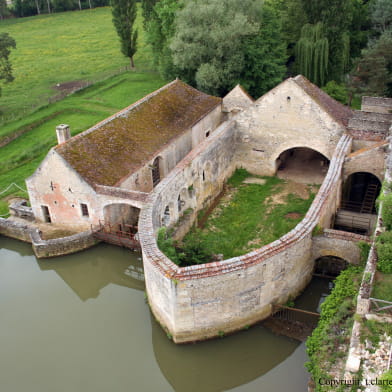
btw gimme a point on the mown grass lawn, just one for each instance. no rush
(63, 47)
(19, 158)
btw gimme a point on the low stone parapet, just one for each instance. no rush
(61, 246)
(15, 229)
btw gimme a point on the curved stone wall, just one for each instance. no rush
(203, 301)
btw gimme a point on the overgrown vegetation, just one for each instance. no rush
(384, 252)
(247, 219)
(334, 327)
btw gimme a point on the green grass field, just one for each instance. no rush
(57, 48)
(89, 51)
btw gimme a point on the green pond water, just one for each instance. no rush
(80, 323)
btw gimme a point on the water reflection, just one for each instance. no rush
(220, 364)
(87, 273)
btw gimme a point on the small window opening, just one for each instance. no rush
(84, 209)
(288, 99)
(208, 133)
(46, 213)
(156, 176)
(180, 203)
(204, 176)
(166, 216)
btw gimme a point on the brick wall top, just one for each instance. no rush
(303, 229)
(344, 235)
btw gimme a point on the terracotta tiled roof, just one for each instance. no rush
(119, 145)
(339, 112)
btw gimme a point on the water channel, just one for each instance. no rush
(80, 323)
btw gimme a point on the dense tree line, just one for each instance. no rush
(21, 8)
(213, 45)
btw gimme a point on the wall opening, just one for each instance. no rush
(166, 216)
(122, 217)
(302, 164)
(360, 192)
(329, 266)
(156, 171)
(46, 214)
(84, 210)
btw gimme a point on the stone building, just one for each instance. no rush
(105, 173)
(168, 156)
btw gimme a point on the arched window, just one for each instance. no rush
(156, 175)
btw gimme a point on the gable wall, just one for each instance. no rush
(63, 201)
(275, 124)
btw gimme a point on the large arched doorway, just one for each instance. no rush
(122, 217)
(302, 164)
(360, 191)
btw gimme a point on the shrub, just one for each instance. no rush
(387, 211)
(166, 245)
(364, 249)
(386, 378)
(384, 252)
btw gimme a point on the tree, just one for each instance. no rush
(160, 30)
(312, 53)
(335, 16)
(147, 11)
(373, 72)
(214, 46)
(4, 12)
(6, 44)
(124, 15)
(382, 14)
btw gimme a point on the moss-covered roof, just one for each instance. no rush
(119, 145)
(339, 112)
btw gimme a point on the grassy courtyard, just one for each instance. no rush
(253, 212)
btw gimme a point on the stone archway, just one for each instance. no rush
(121, 216)
(359, 193)
(330, 266)
(302, 164)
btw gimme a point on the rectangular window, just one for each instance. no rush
(46, 214)
(84, 209)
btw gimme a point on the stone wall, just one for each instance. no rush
(284, 118)
(376, 104)
(338, 244)
(61, 246)
(369, 160)
(203, 301)
(15, 229)
(20, 209)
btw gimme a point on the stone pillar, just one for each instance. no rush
(63, 133)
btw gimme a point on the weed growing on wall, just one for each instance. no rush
(333, 330)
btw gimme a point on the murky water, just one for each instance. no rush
(80, 324)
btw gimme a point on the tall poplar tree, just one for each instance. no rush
(124, 15)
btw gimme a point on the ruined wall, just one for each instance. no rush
(202, 301)
(284, 118)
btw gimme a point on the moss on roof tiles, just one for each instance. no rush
(339, 112)
(124, 142)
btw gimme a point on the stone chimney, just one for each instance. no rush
(63, 133)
